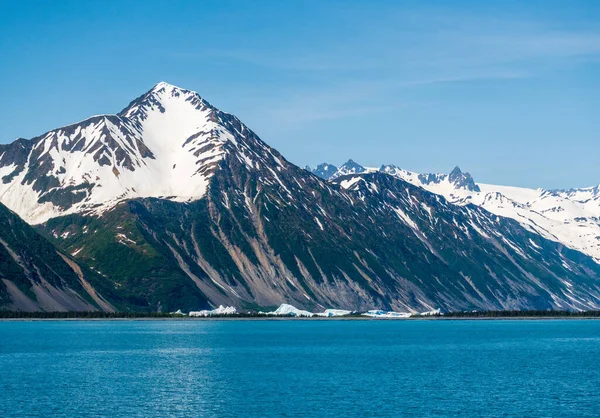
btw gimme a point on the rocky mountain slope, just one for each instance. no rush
(34, 276)
(174, 204)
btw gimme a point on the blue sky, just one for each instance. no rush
(507, 90)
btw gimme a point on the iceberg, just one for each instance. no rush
(333, 312)
(221, 310)
(178, 312)
(377, 313)
(288, 310)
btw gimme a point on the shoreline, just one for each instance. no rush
(271, 318)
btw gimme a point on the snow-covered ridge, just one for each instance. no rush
(571, 217)
(166, 144)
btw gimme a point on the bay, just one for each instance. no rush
(320, 368)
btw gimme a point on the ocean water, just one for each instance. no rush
(245, 368)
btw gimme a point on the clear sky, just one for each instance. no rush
(508, 90)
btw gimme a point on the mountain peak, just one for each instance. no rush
(455, 173)
(352, 165)
(166, 143)
(164, 85)
(462, 180)
(163, 88)
(162, 97)
(349, 167)
(350, 162)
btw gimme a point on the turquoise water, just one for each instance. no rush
(300, 368)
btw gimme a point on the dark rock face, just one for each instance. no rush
(431, 178)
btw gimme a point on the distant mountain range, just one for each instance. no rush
(570, 217)
(173, 204)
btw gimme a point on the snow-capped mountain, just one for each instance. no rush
(165, 144)
(174, 204)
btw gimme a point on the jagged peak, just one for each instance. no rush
(323, 170)
(463, 180)
(455, 172)
(389, 168)
(349, 167)
(351, 162)
(352, 165)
